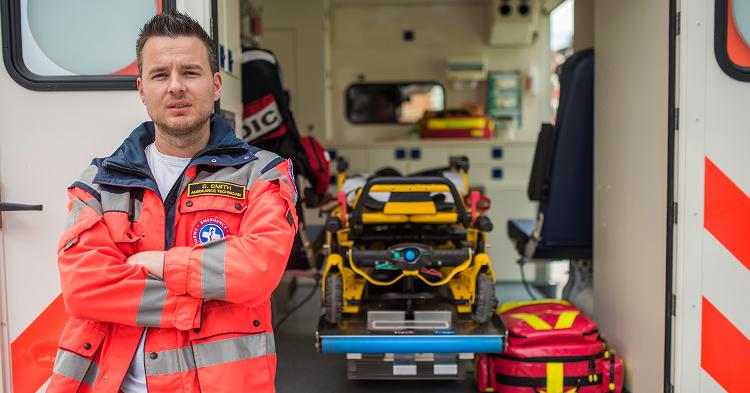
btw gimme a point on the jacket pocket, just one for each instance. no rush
(212, 202)
(122, 232)
(231, 349)
(127, 241)
(207, 218)
(79, 342)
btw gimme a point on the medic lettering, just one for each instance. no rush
(265, 118)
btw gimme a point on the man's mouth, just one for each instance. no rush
(180, 108)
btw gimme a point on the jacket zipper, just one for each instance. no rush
(171, 199)
(132, 170)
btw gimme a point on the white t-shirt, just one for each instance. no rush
(166, 169)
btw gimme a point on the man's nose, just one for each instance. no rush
(176, 84)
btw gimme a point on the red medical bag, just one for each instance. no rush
(551, 347)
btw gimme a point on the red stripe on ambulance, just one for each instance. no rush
(724, 350)
(724, 347)
(33, 351)
(727, 213)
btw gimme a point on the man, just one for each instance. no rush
(175, 242)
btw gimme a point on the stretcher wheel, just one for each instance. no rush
(486, 302)
(334, 298)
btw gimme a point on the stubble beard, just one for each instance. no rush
(183, 136)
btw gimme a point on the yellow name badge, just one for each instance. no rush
(219, 188)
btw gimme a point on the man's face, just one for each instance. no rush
(176, 84)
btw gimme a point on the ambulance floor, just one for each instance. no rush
(302, 369)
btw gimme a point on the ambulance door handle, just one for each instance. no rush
(13, 207)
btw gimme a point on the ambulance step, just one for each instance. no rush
(407, 366)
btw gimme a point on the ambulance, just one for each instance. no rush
(671, 211)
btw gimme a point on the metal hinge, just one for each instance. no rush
(671, 388)
(676, 119)
(674, 305)
(677, 23)
(674, 213)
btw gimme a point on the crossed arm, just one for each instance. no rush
(166, 288)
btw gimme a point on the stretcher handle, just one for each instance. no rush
(463, 215)
(454, 257)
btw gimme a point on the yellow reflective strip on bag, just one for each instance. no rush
(533, 320)
(566, 319)
(555, 377)
(511, 305)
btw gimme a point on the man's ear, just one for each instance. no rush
(139, 85)
(217, 86)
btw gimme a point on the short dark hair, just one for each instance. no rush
(172, 23)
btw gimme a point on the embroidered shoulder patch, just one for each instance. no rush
(220, 188)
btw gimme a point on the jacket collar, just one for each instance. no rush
(128, 166)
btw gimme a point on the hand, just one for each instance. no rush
(153, 261)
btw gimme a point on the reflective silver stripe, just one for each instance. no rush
(234, 349)
(227, 174)
(87, 177)
(210, 354)
(70, 243)
(137, 207)
(274, 174)
(74, 366)
(170, 362)
(115, 201)
(78, 207)
(263, 159)
(152, 303)
(246, 175)
(213, 276)
(94, 204)
(90, 377)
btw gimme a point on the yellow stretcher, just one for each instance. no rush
(411, 243)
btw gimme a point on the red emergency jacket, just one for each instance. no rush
(227, 226)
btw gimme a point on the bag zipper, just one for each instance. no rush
(516, 335)
(553, 359)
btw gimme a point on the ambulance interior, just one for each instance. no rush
(501, 57)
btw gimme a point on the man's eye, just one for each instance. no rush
(160, 76)
(190, 73)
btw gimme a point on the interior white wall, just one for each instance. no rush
(366, 40)
(630, 176)
(302, 22)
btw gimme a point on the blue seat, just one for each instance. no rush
(562, 173)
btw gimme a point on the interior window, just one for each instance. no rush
(561, 46)
(395, 103)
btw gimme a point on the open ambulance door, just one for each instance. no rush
(68, 95)
(712, 251)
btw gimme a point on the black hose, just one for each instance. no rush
(300, 304)
(526, 285)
